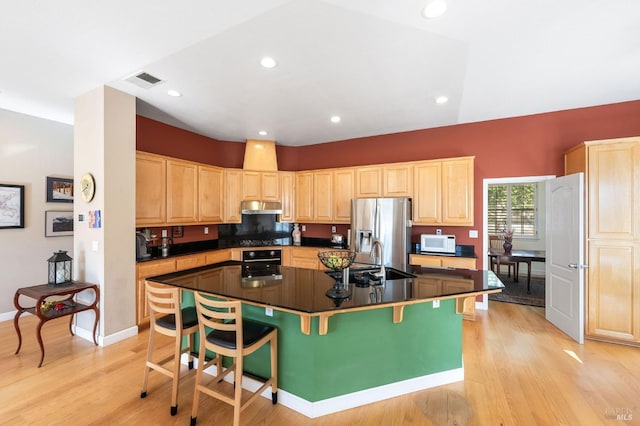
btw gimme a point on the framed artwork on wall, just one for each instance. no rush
(11, 206)
(59, 190)
(58, 223)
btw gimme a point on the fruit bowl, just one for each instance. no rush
(337, 260)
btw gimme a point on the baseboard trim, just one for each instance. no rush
(105, 340)
(351, 400)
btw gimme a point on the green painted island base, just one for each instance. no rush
(364, 358)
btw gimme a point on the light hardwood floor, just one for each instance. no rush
(519, 370)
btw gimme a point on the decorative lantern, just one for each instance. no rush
(59, 268)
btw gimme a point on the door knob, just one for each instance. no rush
(576, 266)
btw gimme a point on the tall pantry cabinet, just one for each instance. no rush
(612, 177)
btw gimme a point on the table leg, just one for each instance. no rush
(71, 324)
(529, 278)
(16, 324)
(39, 336)
(96, 312)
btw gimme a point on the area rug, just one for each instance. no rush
(516, 292)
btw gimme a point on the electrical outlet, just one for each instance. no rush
(436, 304)
(333, 229)
(268, 312)
(304, 228)
(206, 229)
(164, 233)
(438, 231)
(473, 233)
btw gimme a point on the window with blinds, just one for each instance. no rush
(513, 206)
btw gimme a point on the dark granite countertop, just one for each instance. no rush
(305, 290)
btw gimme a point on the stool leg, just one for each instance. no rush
(274, 367)
(145, 380)
(176, 374)
(196, 390)
(237, 402)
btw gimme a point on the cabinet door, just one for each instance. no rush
(397, 180)
(304, 197)
(427, 287)
(270, 186)
(182, 192)
(425, 260)
(613, 290)
(232, 195)
(614, 190)
(369, 182)
(287, 196)
(459, 262)
(151, 189)
(322, 197)
(457, 192)
(144, 270)
(210, 191)
(343, 190)
(427, 198)
(250, 185)
(188, 262)
(217, 256)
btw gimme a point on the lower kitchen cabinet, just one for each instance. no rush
(442, 261)
(145, 270)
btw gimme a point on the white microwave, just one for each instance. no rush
(432, 243)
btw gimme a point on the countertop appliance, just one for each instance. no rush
(261, 267)
(141, 247)
(337, 239)
(387, 220)
(435, 243)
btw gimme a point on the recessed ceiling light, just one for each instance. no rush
(335, 119)
(442, 100)
(434, 9)
(174, 93)
(262, 133)
(268, 62)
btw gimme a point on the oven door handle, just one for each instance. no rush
(262, 260)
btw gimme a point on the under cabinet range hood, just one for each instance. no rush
(261, 207)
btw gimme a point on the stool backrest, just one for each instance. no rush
(221, 315)
(163, 300)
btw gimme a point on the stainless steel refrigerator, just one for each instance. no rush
(384, 219)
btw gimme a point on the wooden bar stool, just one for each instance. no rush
(223, 331)
(167, 318)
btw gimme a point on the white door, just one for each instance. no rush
(564, 292)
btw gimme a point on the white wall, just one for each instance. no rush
(30, 150)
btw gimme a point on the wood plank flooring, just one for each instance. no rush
(519, 370)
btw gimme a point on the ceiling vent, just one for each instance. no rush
(144, 80)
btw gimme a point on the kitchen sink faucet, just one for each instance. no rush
(378, 243)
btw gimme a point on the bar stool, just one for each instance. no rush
(223, 331)
(167, 318)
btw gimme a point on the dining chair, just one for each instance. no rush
(224, 332)
(169, 319)
(495, 243)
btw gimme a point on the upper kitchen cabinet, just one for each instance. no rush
(287, 196)
(263, 186)
(368, 182)
(443, 192)
(313, 194)
(232, 196)
(182, 192)
(304, 197)
(397, 180)
(210, 194)
(343, 192)
(151, 189)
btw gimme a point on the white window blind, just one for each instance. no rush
(513, 206)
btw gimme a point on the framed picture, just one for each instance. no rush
(177, 231)
(11, 206)
(58, 223)
(59, 190)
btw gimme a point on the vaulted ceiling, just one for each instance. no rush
(378, 64)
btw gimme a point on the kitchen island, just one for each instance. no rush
(383, 341)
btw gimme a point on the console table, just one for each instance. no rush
(64, 294)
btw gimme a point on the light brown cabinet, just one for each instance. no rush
(210, 194)
(443, 193)
(143, 271)
(369, 182)
(343, 193)
(151, 189)
(182, 192)
(397, 180)
(313, 195)
(260, 186)
(287, 196)
(304, 257)
(304, 197)
(232, 195)
(612, 292)
(442, 261)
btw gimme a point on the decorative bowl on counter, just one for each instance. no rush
(337, 260)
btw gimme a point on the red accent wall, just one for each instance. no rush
(522, 146)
